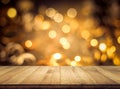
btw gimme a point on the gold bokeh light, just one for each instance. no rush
(64, 42)
(118, 39)
(12, 12)
(73, 63)
(94, 42)
(72, 12)
(50, 12)
(52, 34)
(58, 18)
(66, 28)
(57, 56)
(102, 47)
(77, 58)
(28, 43)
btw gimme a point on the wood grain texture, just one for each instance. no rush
(59, 75)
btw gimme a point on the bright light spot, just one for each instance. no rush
(103, 57)
(52, 34)
(73, 63)
(94, 42)
(50, 12)
(118, 39)
(45, 25)
(66, 28)
(28, 43)
(77, 58)
(72, 12)
(63, 40)
(57, 56)
(116, 61)
(85, 34)
(58, 17)
(65, 43)
(102, 47)
(11, 12)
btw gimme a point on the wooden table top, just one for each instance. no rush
(59, 75)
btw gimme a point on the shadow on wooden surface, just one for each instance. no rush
(58, 86)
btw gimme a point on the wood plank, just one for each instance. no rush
(59, 75)
(4, 70)
(84, 76)
(10, 74)
(2, 67)
(111, 75)
(55, 79)
(113, 69)
(97, 76)
(67, 76)
(74, 75)
(37, 76)
(52, 76)
(21, 75)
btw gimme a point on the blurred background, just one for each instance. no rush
(60, 32)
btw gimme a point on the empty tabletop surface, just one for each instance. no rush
(59, 75)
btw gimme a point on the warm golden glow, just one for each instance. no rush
(66, 45)
(22, 58)
(11, 12)
(72, 12)
(73, 63)
(50, 12)
(45, 25)
(77, 58)
(118, 39)
(97, 55)
(64, 42)
(57, 56)
(85, 34)
(102, 47)
(28, 43)
(116, 61)
(110, 51)
(58, 17)
(38, 22)
(103, 58)
(113, 48)
(52, 34)
(98, 32)
(74, 24)
(38, 19)
(25, 5)
(59, 33)
(94, 42)
(66, 28)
